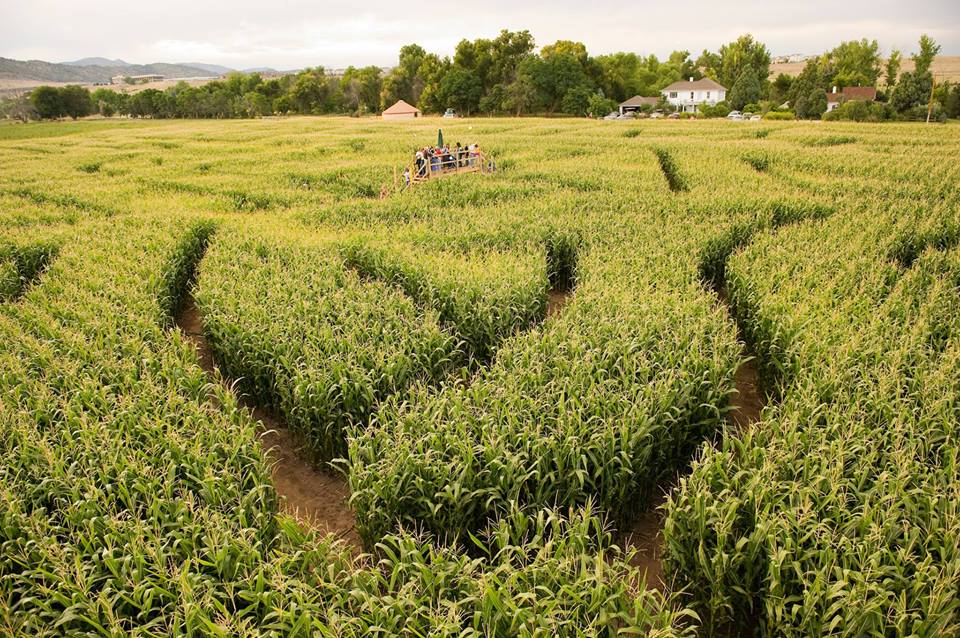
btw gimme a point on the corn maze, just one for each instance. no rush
(493, 448)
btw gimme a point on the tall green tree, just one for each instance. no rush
(855, 63)
(522, 95)
(494, 63)
(430, 76)
(405, 81)
(951, 103)
(577, 50)
(746, 89)
(476, 57)
(742, 53)
(107, 102)
(48, 102)
(780, 88)
(461, 89)
(623, 75)
(710, 63)
(808, 87)
(310, 93)
(361, 88)
(892, 69)
(76, 101)
(556, 74)
(913, 89)
(924, 57)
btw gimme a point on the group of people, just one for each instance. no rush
(441, 159)
(436, 160)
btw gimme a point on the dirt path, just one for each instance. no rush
(749, 400)
(315, 498)
(557, 298)
(646, 533)
(646, 536)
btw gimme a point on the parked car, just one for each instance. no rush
(735, 115)
(450, 113)
(656, 114)
(612, 116)
(673, 116)
(755, 118)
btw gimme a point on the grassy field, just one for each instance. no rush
(504, 372)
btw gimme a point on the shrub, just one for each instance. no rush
(859, 111)
(779, 115)
(720, 109)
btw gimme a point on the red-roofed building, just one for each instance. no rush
(850, 93)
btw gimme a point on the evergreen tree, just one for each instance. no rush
(745, 90)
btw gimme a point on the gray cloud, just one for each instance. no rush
(244, 33)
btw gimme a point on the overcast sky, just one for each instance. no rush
(298, 33)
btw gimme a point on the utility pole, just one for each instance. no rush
(933, 85)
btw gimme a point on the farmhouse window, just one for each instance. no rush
(708, 95)
(691, 95)
(673, 94)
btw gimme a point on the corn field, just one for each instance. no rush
(495, 453)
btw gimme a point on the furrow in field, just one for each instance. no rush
(314, 497)
(846, 464)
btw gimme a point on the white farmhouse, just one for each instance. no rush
(687, 96)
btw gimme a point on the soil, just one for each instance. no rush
(646, 536)
(749, 401)
(646, 533)
(556, 299)
(315, 498)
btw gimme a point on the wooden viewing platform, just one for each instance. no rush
(431, 168)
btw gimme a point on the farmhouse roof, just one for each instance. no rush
(703, 84)
(862, 93)
(639, 100)
(400, 108)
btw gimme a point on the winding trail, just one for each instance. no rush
(321, 499)
(646, 533)
(315, 498)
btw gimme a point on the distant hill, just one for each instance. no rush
(213, 69)
(96, 62)
(264, 69)
(40, 71)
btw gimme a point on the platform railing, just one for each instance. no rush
(429, 168)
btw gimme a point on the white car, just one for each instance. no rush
(450, 113)
(735, 115)
(612, 116)
(755, 118)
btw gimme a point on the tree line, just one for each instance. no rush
(507, 75)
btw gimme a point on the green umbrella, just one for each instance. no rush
(439, 137)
